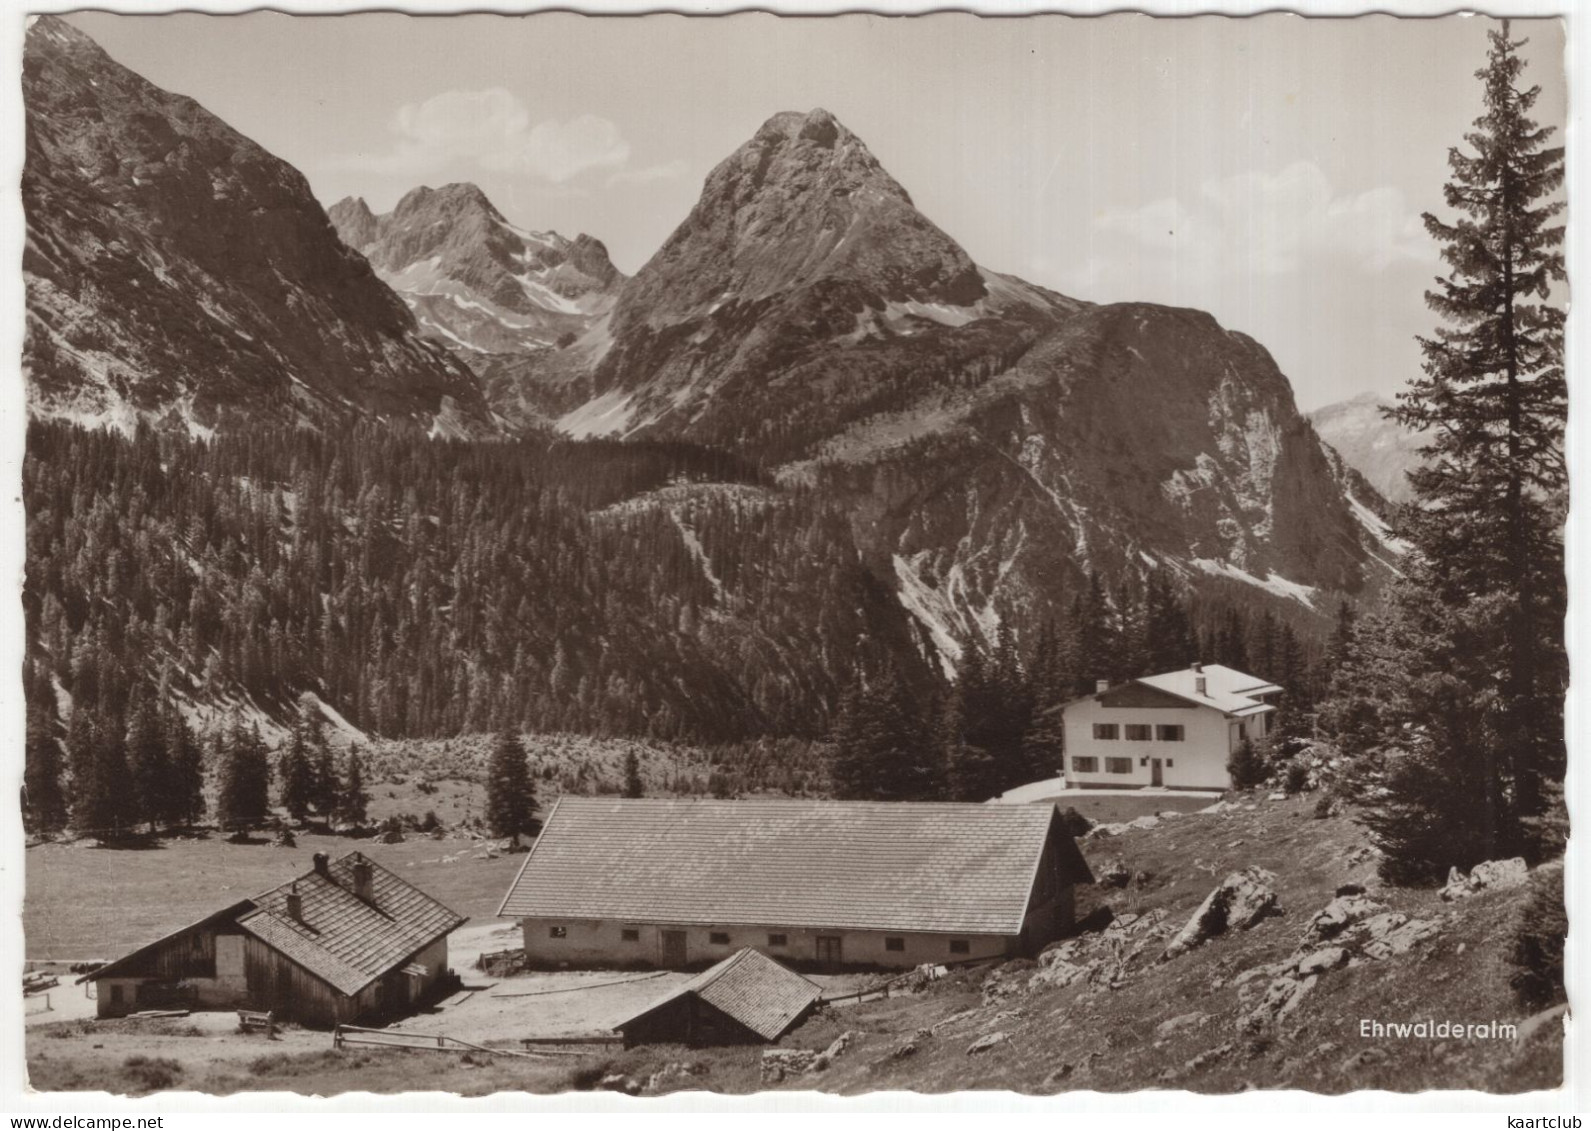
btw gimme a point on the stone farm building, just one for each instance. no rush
(748, 998)
(1175, 730)
(348, 939)
(826, 884)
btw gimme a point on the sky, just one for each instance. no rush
(1271, 170)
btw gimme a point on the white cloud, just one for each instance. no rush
(492, 129)
(668, 171)
(1263, 224)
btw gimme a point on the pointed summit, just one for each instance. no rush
(803, 289)
(803, 201)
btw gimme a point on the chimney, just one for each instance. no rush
(295, 905)
(1101, 686)
(364, 880)
(1199, 685)
(321, 860)
(1198, 665)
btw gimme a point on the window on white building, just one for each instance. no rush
(1169, 732)
(1138, 732)
(1118, 765)
(1081, 765)
(1105, 731)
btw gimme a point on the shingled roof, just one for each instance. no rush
(859, 865)
(752, 988)
(342, 939)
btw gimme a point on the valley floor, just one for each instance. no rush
(1175, 1024)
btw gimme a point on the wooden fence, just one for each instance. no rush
(345, 1035)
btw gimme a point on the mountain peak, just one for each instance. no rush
(46, 32)
(455, 197)
(818, 126)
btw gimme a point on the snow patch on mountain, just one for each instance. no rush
(1377, 527)
(932, 609)
(601, 416)
(1272, 582)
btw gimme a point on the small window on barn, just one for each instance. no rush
(894, 944)
(1105, 731)
(718, 938)
(778, 940)
(557, 932)
(630, 934)
(1139, 732)
(1118, 765)
(115, 994)
(960, 946)
(1082, 765)
(1169, 732)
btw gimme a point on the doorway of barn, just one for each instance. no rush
(674, 949)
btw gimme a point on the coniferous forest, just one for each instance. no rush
(432, 588)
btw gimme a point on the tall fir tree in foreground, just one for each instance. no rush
(1474, 734)
(510, 794)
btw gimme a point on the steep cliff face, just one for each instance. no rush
(1381, 450)
(1131, 437)
(178, 273)
(803, 291)
(476, 282)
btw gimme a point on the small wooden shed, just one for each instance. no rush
(346, 940)
(748, 998)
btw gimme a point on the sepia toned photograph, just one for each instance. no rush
(670, 554)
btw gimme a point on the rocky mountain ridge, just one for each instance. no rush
(178, 274)
(476, 282)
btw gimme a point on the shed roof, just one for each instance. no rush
(756, 991)
(859, 865)
(115, 967)
(342, 939)
(1226, 689)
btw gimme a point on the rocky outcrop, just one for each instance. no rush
(1236, 904)
(778, 1065)
(1493, 875)
(178, 274)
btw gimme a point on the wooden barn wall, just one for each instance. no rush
(290, 991)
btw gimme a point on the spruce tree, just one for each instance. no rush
(149, 764)
(1494, 400)
(353, 800)
(102, 791)
(297, 776)
(44, 799)
(510, 794)
(243, 794)
(185, 798)
(633, 786)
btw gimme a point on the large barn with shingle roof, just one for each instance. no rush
(347, 939)
(682, 883)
